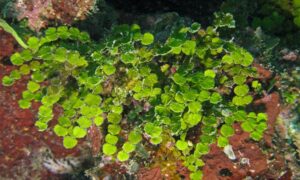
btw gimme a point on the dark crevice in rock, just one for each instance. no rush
(195, 9)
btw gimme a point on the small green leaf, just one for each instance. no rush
(149, 127)
(33, 43)
(207, 139)
(51, 34)
(229, 120)
(207, 83)
(156, 140)
(262, 117)
(128, 147)
(42, 126)
(210, 73)
(109, 149)
(247, 99)
(60, 54)
(247, 58)
(215, 98)
(241, 90)
(123, 156)
(63, 32)
(227, 130)
(85, 110)
(114, 129)
(24, 69)
(179, 98)
(84, 37)
(227, 59)
(45, 111)
(188, 48)
(38, 96)
(79, 132)
(26, 55)
(69, 142)
(38, 76)
(156, 131)
(152, 130)
(202, 148)
(50, 100)
(84, 122)
(147, 39)
(33, 86)
(155, 92)
(127, 58)
(24, 104)
(117, 109)
(150, 80)
(134, 137)
(177, 107)
(111, 139)
(92, 100)
(64, 121)
(76, 60)
(181, 145)
(246, 126)
(74, 33)
(98, 120)
(239, 80)
(114, 118)
(109, 69)
(204, 96)
(7, 81)
(194, 107)
(261, 127)
(256, 135)
(240, 115)
(45, 53)
(15, 74)
(252, 115)
(144, 70)
(193, 119)
(256, 84)
(164, 68)
(35, 65)
(60, 131)
(237, 101)
(16, 59)
(196, 175)
(179, 79)
(222, 141)
(201, 51)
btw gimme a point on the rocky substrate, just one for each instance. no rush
(22, 146)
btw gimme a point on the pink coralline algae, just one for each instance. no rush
(40, 12)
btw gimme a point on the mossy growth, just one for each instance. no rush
(193, 78)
